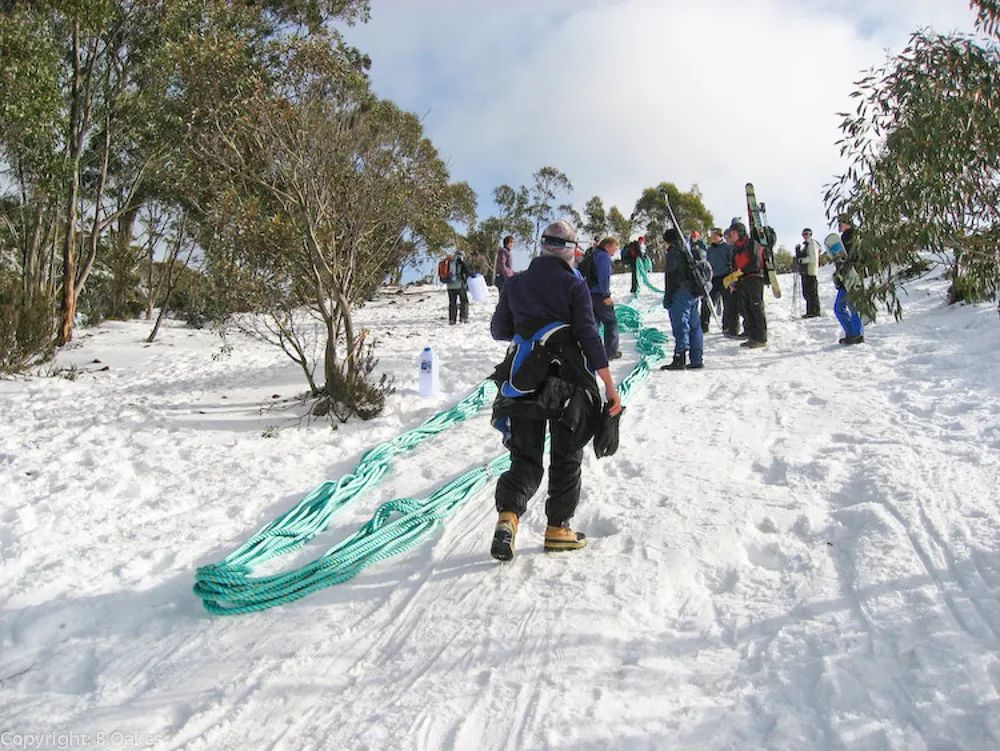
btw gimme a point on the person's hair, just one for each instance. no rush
(608, 242)
(716, 231)
(508, 239)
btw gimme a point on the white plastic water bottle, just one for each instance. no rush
(428, 372)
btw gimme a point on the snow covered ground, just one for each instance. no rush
(797, 547)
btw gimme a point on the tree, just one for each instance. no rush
(511, 218)
(923, 176)
(595, 219)
(85, 134)
(619, 227)
(549, 183)
(331, 190)
(569, 212)
(690, 211)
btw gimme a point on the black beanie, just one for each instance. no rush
(671, 235)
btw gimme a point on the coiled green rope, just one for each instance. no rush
(228, 587)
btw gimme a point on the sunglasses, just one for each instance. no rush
(559, 242)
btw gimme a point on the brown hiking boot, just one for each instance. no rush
(563, 538)
(503, 536)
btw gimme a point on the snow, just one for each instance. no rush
(795, 547)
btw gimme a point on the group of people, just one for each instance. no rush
(550, 313)
(736, 289)
(733, 280)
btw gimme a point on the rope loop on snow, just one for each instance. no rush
(229, 588)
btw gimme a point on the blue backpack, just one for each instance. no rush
(529, 366)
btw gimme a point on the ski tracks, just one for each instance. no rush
(911, 533)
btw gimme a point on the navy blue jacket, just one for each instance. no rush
(720, 255)
(602, 268)
(677, 273)
(549, 290)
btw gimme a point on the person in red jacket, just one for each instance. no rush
(748, 258)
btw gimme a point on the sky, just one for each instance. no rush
(623, 94)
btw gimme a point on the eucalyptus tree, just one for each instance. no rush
(329, 189)
(923, 178)
(651, 211)
(548, 185)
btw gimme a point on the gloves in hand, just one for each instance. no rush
(730, 279)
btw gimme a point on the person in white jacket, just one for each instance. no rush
(807, 257)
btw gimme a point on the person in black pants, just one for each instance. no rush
(720, 256)
(458, 289)
(807, 256)
(547, 306)
(748, 257)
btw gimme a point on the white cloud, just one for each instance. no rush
(623, 94)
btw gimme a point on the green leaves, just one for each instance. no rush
(31, 118)
(924, 167)
(651, 210)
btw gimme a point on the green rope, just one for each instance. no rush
(228, 588)
(644, 269)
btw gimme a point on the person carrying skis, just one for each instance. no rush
(748, 257)
(458, 289)
(720, 256)
(548, 305)
(807, 257)
(843, 308)
(504, 267)
(681, 298)
(600, 294)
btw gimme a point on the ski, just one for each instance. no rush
(764, 234)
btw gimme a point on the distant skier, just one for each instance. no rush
(457, 283)
(600, 295)
(632, 255)
(846, 312)
(720, 255)
(504, 267)
(748, 257)
(682, 299)
(547, 310)
(807, 258)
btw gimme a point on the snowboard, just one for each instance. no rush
(838, 254)
(765, 235)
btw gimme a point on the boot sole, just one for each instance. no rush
(559, 547)
(503, 544)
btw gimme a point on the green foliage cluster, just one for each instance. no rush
(689, 210)
(923, 180)
(241, 137)
(25, 326)
(523, 212)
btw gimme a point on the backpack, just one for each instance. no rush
(701, 269)
(587, 267)
(446, 272)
